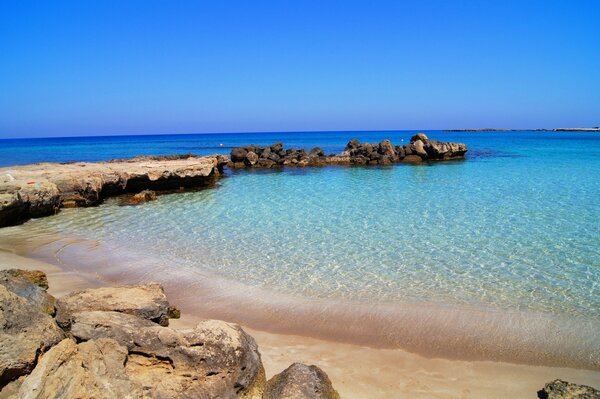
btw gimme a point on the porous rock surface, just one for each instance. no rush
(420, 149)
(146, 301)
(114, 347)
(300, 381)
(559, 389)
(41, 189)
(26, 331)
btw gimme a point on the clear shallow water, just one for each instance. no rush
(515, 227)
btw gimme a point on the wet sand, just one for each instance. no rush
(359, 371)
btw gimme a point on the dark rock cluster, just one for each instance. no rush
(419, 149)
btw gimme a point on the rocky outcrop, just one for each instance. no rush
(26, 328)
(559, 389)
(213, 360)
(147, 302)
(300, 381)
(117, 344)
(42, 189)
(420, 149)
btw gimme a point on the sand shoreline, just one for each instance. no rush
(358, 371)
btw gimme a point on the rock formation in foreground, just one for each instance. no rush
(559, 389)
(36, 190)
(114, 342)
(420, 149)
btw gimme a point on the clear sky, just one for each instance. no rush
(133, 67)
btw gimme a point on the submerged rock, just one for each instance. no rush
(142, 196)
(145, 301)
(300, 381)
(559, 389)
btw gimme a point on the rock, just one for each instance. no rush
(300, 381)
(238, 154)
(93, 369)
(277, 147)
(559, 389)
(353, 144)
(316, 152)
(251, 158)
(444, 151)
(386, 148)
(412, 159)
(41, 189)
(25, 332)
(213, 360)
(173, 312)
(31, 285)
(420, 149)
(145, 301)
(143, 196)
(418, 137)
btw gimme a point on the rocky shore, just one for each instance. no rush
(114, 342)
(420, 149)
(42, 189)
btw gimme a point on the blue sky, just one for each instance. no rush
(147, 67)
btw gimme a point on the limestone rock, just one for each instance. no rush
(412, 159)
(559, 389)
(146, 301)
(251, 158)
(213, 360)
(93, 369)
(25, 332)
(300, 381)
(41, 189)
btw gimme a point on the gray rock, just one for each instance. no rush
(146, 301)
(300, 381)
(559, 389)
(31, 285)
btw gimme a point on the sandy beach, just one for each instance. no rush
(360, 371)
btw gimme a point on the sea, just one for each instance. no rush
(496, 256)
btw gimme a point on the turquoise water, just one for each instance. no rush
(514, 227)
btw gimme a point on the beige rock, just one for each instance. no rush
(41, 189)
(300, 381)
(25, 332)
(412, 159)
(93, 369)
(418, 137)
(213, 360)
(146, 301)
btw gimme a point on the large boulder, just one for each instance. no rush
(251, 158)
(26, 331)
(559, 389)
(213, 360)
(300, 381)
(419, 149)
(93, 369)
(145, 301)
(419, 137)
(238, 154)
(31, 285)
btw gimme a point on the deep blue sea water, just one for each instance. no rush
(513, 228)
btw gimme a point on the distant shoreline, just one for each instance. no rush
(560, 129)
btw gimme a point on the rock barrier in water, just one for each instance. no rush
(420, 149)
